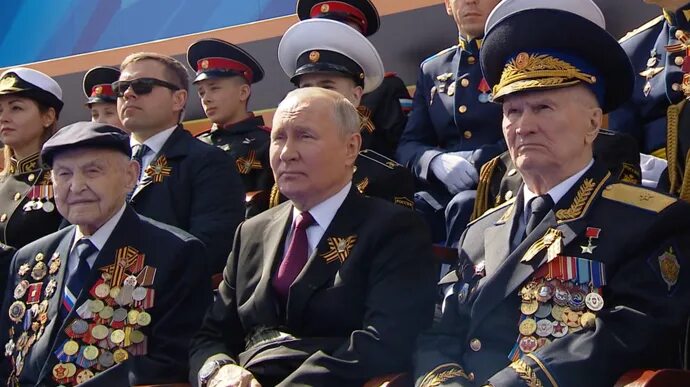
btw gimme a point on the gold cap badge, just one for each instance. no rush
(314, 56)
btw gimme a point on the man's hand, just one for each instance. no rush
(454, 171)
(231, 375)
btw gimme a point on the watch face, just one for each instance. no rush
(207, 370)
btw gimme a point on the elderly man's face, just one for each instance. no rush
(551, 132)
(310, 158)
(470, 15)
(91, 185)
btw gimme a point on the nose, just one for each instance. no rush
(288, 151)
(77, 183)
(526, 123)
(129, 94)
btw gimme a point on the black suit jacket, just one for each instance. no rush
(201, 193)
(182, 294)
(350, 320)
(637, 327)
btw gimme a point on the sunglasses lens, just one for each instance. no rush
(139, 86)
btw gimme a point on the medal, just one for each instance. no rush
(544, 328)
(106, 313)
(99, 332)
(23, 269)
(543, 311)
(54, 264)
(144, 319)
(96, 306)
(70, 348)
(39, 271)
(594, 302)
(527, 327)
(84, 375)
(48, 206)
(559, 329)
(102, 290)
(79, 327)
(528, 308)
(528, 344)
(120, 355)
(64, 371)
(588, 320)
(17, 311)
(20, 289)
(90, 353)
(106, 359)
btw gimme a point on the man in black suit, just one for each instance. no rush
(329, 288)
(183, 182)
(581, 277)
(111, 300)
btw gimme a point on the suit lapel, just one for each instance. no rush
(568, 217)
(173, 148)
(322, 266)
(498, 238)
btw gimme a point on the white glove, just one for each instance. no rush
(454, 171)
(651, 167)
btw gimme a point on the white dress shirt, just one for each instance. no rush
(98, 239)
(155, 144)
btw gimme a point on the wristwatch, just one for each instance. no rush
(209, 369)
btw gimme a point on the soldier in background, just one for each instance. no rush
(224, 75)
(101, 100)
(382, 105)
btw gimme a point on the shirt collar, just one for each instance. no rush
(558, 191)
(155, 142)
(324, 212)
(103, 233)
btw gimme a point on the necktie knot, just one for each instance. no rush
(538, 208)
(140, 152)
(304, 220)
(85, 248)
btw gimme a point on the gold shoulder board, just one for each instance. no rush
(641, 28)
(638, 196)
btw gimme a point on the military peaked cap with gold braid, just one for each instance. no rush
(540, 44)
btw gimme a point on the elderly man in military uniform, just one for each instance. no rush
(383, 106)
(329, 54)
(100, 98)
(225, 74)
(453, 128)
(655, 114)
(327, 289)
(550, 289)
(111, 300)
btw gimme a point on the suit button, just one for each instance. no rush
(475, 345)
(471, 60)
(31, 177)
(465, 82)
(675, 87)
(462, 109)
(470, 376)
(3, 218)
(508, 195)
(512, 172)
(467, 134)
(678, 61)
(17, 196)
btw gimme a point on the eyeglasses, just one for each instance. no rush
(140, 86)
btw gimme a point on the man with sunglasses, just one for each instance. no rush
(183, 182)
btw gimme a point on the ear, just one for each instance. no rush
(48, 117)
(179, 100)
(131, 174)
(245, 92)
(357, 93)
(353, 144)
(449, 10)
(595, 120)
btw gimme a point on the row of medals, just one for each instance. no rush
(35, 317)
(39, 204)
(554, 308)
(107, 308)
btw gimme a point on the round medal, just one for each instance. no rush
(16, 311)
(84, 375)
(120, 355)
(136, 337)
(557, 312)
(544, 328)
(79, 327)
(528, 308)
(114, 292)
(542, 341)
(527, 327)
(106, 359)
(131, 281)
(132, 316)
(99, 332)
(39, 271)
(117, 336)
(594, 302)
(483, 98)
(561, 296)
(588, 320)
(545, 292)
(139, 293)
(70, 348)
(96, 306)
(64, 371)
(120, 314)
(559, 329)
(102, 290)
(543, 311)
(577, 300)
(528, 344)
(20, 289)
(39, 257)
(144, 319)
(90, 352)
(106, 313)
(48, 206)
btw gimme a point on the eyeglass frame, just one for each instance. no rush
(147, 81)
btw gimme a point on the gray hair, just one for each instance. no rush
(344, 112)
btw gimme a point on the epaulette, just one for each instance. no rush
(481, 204)
(451, 48)
(379, 158)
(637, 196)
(390, 74)
(492, 210)
(641, 28)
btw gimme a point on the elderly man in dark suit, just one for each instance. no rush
(329, 288)
(112, 300)
(183, 182)
(581, 277)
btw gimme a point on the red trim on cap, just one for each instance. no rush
(101, 90)
(354, 14)
(206, 64)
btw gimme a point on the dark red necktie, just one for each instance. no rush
(295, 257)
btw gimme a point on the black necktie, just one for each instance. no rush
(538, 207)
(138, 156)
(76, 279)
